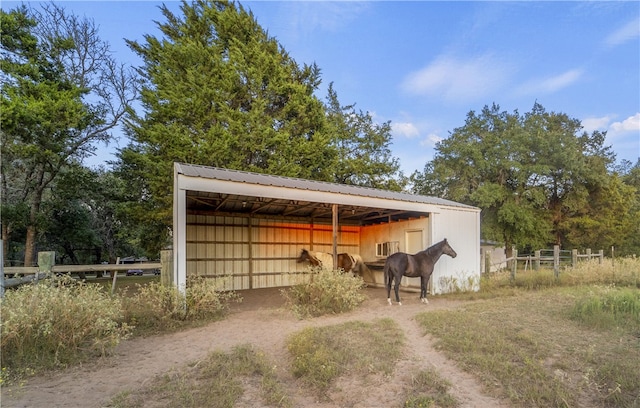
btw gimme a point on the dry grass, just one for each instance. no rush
(322, 354)
(219, 381)
(531, 349)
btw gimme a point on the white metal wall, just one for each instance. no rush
(462, 230)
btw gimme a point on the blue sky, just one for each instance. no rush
(424, 65)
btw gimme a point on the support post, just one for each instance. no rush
(514, 263)
(574, 257)
(115, 277)
(536, 265)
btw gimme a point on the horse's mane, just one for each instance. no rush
(435, 247)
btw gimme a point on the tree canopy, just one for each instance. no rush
(61, 93)
(538, 179)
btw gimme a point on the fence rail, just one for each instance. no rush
(554, 256)
(46, 267)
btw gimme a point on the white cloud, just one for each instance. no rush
(630, 124)
(406, 129)
(308, 16)
(591, 124)
(550, 84)
(431, 140)
(458, 80)
(628, 32)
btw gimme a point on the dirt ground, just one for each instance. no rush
(262, 320)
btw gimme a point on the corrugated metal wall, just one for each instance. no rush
(462, 229)
(250, 253)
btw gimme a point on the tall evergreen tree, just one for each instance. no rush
(219, 91)
(363, 147)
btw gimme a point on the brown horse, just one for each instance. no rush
(412, 266)
(348, 262)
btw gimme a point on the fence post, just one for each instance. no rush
(589, 253)
(601, 256)
(574, 257)
(487, 261)
(46, 260)
(514, 263)
(556, 260)
(166, 273)
(1, 268)
(537, 256)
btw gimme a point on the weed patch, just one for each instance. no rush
(322, 354)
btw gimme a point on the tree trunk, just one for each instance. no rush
(30, 243)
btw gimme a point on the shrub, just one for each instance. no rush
(328, 292)
(57, 323)
(155, 307)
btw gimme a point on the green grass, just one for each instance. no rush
(609, 307)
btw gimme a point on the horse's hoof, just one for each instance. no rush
(389, 300)
(424, 300)
(399, 303)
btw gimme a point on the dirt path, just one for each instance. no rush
(260, 320)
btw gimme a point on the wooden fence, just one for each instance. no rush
(46, 267)
(555, 257)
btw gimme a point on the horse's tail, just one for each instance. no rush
(387, 277)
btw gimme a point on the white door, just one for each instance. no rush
(413, 244)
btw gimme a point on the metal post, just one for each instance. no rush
(334, 210)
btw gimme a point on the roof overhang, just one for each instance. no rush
(221, 191)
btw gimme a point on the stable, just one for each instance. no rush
(247, 229)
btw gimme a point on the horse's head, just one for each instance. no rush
(304, 256)
(446, 249)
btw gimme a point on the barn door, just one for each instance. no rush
(413, 243)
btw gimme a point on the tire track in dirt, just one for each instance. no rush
(261, 321)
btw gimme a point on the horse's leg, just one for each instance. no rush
(387, 284)
(396, 288)
(423, 290)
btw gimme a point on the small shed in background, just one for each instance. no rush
(494, 256)
(248, 229)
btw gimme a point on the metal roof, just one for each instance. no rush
(212, 201)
